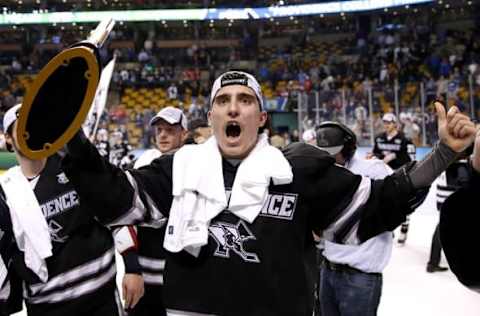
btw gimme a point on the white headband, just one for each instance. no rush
(240, 78)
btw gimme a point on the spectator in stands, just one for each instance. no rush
(198, 109)
(8, 100)
(172, 91)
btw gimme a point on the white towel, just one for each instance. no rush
(199, 190)
(29, 225)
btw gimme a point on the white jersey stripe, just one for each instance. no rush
(86, 269)
(151, 278)
(152, 263)
(76, 291)
(359, 198)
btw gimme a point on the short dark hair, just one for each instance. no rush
(198, 123)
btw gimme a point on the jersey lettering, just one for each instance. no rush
(60, 204)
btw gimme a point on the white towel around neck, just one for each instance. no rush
(28, 223)
(199, 190)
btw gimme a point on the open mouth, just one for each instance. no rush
(233, 129)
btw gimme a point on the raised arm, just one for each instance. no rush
(356, 209)
(115, 197)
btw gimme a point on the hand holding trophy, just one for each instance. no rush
(59, 98)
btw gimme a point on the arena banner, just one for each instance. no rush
(41, 17)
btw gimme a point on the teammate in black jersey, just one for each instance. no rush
(256, 256)
(396, 150)
(392, 146)
(170, 125)
(77, 276)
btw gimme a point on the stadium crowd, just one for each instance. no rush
(397, 63)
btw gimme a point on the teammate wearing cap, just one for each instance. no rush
(396, 150)
(63, 256)
(392, 146)
(309, 136)
(351, 276)
(170, 125)
(238, 207)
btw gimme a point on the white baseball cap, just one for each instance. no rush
(237, 77)
(10, 117)
(389, 117)
(172, 116)
(309, 135)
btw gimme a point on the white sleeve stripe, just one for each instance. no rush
(138, 210)
(151, 263)
(359, 198)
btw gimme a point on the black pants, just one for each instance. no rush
(436, 248)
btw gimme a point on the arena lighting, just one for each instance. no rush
(204, 14)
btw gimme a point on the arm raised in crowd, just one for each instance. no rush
(116, 197)
(373, 207)
(456, 132)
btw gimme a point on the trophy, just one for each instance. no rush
(57, 103)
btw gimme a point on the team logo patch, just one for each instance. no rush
(62, 178)
(232, 78)
(230, 239)
(54, 229)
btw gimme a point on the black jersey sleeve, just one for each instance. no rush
(115, 197)
(347, 207)
(376, 151)
(325, 187)
(10, 284)
(404, 155)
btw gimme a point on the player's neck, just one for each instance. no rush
(392, 134)
(31, 168)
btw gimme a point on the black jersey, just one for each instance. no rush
(452, 179)
(399, 145)
(263, 268)
(151, 258)
(81, 270)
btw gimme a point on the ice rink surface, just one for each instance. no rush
(408, 289)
